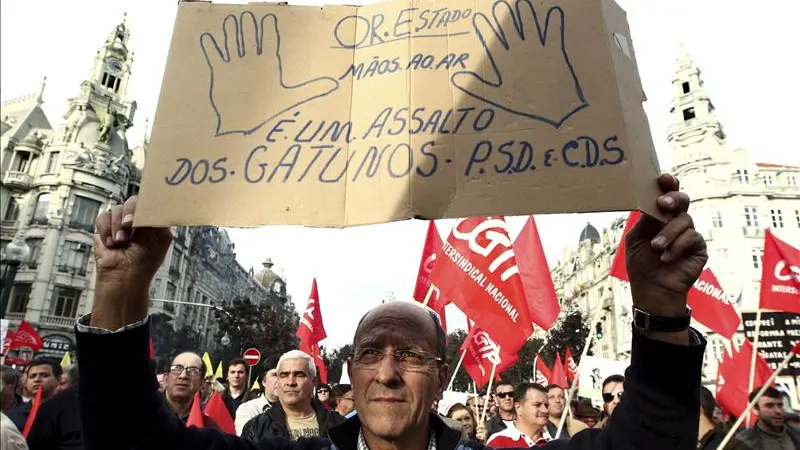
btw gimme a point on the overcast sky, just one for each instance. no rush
(743, 48)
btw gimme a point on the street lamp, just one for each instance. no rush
(225, 340)
(17, 252)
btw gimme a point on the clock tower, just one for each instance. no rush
(112, 64)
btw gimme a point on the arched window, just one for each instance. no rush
(12, 210)
(42, 208)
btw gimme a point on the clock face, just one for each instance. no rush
(114, 65)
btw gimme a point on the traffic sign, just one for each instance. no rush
(252, 356)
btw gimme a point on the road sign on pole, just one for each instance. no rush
(252, 356)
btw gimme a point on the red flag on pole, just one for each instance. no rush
(311, 329)
(711, 306)
(542, 301)
(195, 413)
(320, 363)
(780, 275)
(618, 268)
(479, 274)
(7, 342)
(218, 412)
(481, 354)
(430, 254)
(558, 376)
(26, 336)
(571, 365)
(734, 378)
(543, 374)
(37, 402)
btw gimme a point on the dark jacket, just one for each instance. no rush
(272, 423)
(660, 410)
(233, 403)
(495, 425)
(753, 440)
(57, 425)
(19, 414)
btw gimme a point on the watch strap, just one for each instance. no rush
(648, 322)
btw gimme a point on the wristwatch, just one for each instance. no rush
(648, 322)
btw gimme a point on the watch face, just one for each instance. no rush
(114, 65)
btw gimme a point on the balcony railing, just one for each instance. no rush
(14, 316)
(74, 271)
(82, 226)
(752, 232)
(58, 321)
(17, 180)
(39, 221)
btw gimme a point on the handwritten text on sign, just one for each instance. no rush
(346, 115)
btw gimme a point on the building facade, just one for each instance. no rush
(55, 181)
(734, 199)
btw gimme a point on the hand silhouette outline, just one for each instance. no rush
(519, 36)
(246, 59)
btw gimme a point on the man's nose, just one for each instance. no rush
(388, 372)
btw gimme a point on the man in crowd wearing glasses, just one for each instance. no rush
(613, 387)
(506, 414)
(185, 378)
(398, 367)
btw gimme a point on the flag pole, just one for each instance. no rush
(429, 294)
(758, 395)
(574, 384)
(488, 391)
(458, 366)
(754, 357)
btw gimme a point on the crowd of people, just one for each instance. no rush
(115, 399)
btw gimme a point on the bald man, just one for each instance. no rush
(397, 369)
(184, 379)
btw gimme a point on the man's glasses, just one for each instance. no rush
(178, 369)
(504, 394)
(407, 360)
(608, 398)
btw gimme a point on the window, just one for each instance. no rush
(791, 180)
(74, 258)
(42, 209)
(688, 114)
(685, 87)
(797, 217)
(21, 162)
(716, 219)
(65, 301)
(175, 262)
(756, 255)
(84, 212)
(20, 294)
(777, 218)
(170, 296)
(721, 254)
(743, 176)
(750, 216)
(155, 288)
(768, 180)
(52, 162)
(12, 210)
(35, 244)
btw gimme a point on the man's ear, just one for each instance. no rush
(442, 380)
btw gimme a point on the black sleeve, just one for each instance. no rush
(660, 409)
(107, 361)
(45, 429)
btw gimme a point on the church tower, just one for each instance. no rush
(695, 134)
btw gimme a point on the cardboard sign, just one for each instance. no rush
(348, 115)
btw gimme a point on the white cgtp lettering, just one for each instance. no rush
(791, 272)
(494, 239)
(488, 349)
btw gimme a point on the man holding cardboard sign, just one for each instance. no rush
(393, 394)
(349, 115)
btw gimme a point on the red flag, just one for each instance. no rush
(430, 253)
(26, 336)
(320, 363)
(218, 412)
(780, 275)
(733, 381)
(7, 342)
(543, 374)
(152, 349)
(712, 307)
(311, 329)
(618, 268)
(195, 413)
(479, 274)
(571, 366)
(542, 301)
(34, 410)
(558, 376)
(796, 348)
(482, 353)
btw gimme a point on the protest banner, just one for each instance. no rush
(348, 115)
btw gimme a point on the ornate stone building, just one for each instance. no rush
(734, 199)
(55, 181)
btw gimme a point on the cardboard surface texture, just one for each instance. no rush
(342, 115)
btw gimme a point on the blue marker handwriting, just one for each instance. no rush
(356, 31)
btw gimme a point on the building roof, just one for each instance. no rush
(589, 233)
